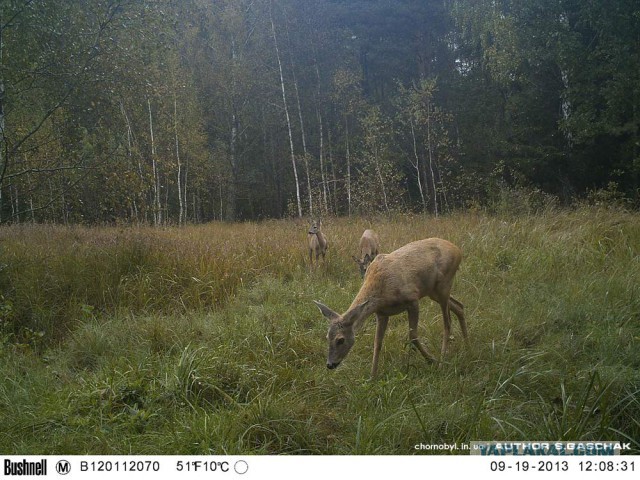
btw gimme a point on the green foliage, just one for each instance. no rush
(424, 127)
(171, 112)
(378, 185)
(559, 75)
(205, 340)
(609, 196)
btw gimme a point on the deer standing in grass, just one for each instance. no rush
(318, 244)
(369, 247)
(395, 283)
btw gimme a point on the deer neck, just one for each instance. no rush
(370, 295)
(360, 314)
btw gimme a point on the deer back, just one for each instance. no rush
(411, 272)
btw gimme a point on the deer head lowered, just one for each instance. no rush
(395, 283)
(369, 247)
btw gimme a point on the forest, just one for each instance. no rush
(172, 112)
(160, 161)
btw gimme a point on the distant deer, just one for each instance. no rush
(318, 244)
(395, 283)
(369, 247)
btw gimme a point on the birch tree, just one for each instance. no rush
(347, 93)
(379, 178)
(423, 128)
(286, 111)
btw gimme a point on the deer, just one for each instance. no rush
(318, 244)
(395, 283)
(369, 247)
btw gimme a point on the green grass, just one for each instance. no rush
(204, 339)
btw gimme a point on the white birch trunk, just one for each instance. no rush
(286, 111)
(175, 130)
(231, 188)
(301, 121)
(348, 154)
(417, 168)
(157, 213)
(430, 150)
(230, 214)
(322, 169)
(334, 179)
(300, 118)
(184, 190)
(320, 125)
(130, 140)
(379, 172)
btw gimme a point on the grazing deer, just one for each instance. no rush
(369, 246)
(318, 244)
(395, 283)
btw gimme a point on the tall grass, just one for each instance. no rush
(204, 339)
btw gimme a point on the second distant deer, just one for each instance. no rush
(369, 249)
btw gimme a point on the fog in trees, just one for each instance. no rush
(171, 112)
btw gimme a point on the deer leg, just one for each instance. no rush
(458, 308)
(446, 317)
(413, 313)
(381, 328)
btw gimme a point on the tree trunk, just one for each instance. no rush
(320, 125)
(417, 168)
(301, 120)
(3, 142)
(15, 207)
(334, 178)
(430, 151)
(175, 130)
(221, 197)
(130, 145)
(232, 184)
(286, 111)
(184, 190)
(348, 155)
(157, 212)
(381, 178)
(322, 169)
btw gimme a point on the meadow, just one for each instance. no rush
(205, 340)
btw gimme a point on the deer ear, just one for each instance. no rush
(360, 307)
(327, 312)
(354, 313)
